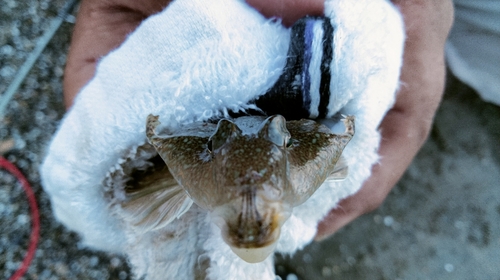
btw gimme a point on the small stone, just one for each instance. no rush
(12, 4)
(115, 262)
(61, 269)
(46, 274)
(7, 145)
(459, 224)
(7, 50)
(307, 258)
(70, 19)
(10, 265)
(326, 271)
(388, 221)
(58, 71)
(449, 267)
(14, 31)
(94, 261)
(7, 71)
(23, 219)
(122, 275)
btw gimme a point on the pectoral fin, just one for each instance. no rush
(155, 203)
(340, 171)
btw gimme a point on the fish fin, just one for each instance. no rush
(155, 206)
(340, 171)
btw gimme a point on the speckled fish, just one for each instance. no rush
(248, 172)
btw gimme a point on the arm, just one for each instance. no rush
(103, 26)
(406, 126)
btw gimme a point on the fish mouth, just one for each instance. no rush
(254, 255)
(252, 229)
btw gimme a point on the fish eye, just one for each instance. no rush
(289, 143)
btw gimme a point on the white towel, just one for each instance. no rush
(190, 62)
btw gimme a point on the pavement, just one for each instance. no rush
(441, 221)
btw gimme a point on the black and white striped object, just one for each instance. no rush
(303, 89)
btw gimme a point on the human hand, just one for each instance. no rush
(103, 26)
(406, 126)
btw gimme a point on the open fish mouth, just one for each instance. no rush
(251, 230)
(254, 255)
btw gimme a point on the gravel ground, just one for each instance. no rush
(440, 222)
(31, 118)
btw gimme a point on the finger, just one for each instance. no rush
(101, 26)
(397, 149)
(406, 126)
(289, 11)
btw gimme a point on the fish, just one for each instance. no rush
(248, 172)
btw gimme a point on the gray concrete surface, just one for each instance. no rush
(440, 222)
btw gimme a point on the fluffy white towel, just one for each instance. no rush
(188, 63)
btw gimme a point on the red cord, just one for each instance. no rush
(35, 219)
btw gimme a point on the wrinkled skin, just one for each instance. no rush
(251, 171)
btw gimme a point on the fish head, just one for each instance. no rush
(251, 174)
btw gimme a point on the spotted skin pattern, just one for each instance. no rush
(250, 172)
